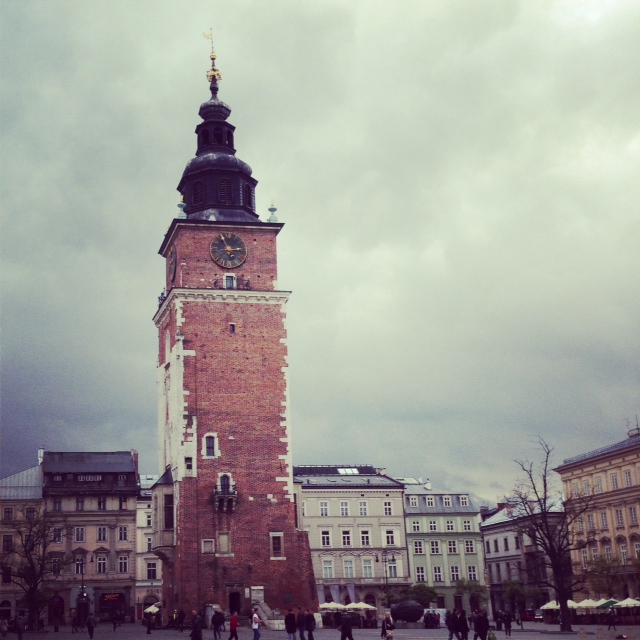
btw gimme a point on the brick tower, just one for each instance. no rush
(225, 511)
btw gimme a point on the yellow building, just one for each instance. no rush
(610, 478)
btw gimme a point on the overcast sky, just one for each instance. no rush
(459, 183)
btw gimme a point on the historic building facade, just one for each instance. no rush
(355, 519)
(225, 527)
(444, 541)
(610, 479)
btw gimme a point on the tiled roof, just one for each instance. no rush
(631, 441)
(88, 461)
(25, 485)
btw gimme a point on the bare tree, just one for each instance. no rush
(28, 560)
(551, 520)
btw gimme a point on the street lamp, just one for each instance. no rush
(82, 597)
(388, 555)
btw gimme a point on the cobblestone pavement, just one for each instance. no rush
(137, 631)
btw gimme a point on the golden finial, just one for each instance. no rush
(213, 72)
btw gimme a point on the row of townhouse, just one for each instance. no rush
(370, 533)
(89, 514)
(606, 553)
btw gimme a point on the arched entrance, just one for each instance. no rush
(235, 601)
(56, 610)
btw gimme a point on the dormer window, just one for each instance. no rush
(198, 193)
(224, 191)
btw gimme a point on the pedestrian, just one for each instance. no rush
(217, 620)
(301, 622)
(481, 625)
(233, 626)
(462, 625)
(196, 626)
(91, 624)
(4, 627)
(311, 623)
(181, 616)
(387, 627)
(255, 624)
(506, 619)
(20, 622)
(611, 619)
(290, 625)
(346, 628)
(114, 619)
(450, 622)
(149, 623)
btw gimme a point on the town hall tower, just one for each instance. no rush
(224, 509)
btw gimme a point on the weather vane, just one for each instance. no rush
(213, 72)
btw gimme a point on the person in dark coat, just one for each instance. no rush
(196, 627)
(301, 619)
(506, 618)
(181, 616)
(310, 623)
(346, 628)
(91, 624)
(386, 626)
(290, 625)
(462, 625)
(481, 625)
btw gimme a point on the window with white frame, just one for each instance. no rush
(210, 445)
(392, 568)
(585, 558)
(627, 478)
(365, 538)
(431, 501)
(57, 535)
(633, 515)
(346, 538)
(149, 544)
(594, 554)
(101, 534)
(79, 534)
(446, 501)
(619, 518)
(598, 486)
(152, 570)
(603, 519)
(575, 490)
(418, 547)
(435, 547)
(464, 501)
(607, 553)
(123, 564)
(591, 521)
(623, 552)
(388, 509)
(586, 486)
(277, 544)
(420, 576)
(123, 534)
(466, 525)
(437, 574)
(580, 523)
(325, 538)
(324, 508)
(327, 569)
(433, 525)
(367, 567)
(472, 572)
(348, 568)
(469, 546)
(79, 565)
(413, 501)
(390, 537)
(449, 525)
(148, 518)
(415, 526)
(614, 481)
(363, 508)
(636, 549)
(344, 508)
(452, 546)
(101, 564)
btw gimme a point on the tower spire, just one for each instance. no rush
(217, 185)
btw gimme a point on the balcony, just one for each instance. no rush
(225, 498)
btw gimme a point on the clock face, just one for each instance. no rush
(172, 262)
(228, 250)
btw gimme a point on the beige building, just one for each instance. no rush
(611, 477)
(355, 519)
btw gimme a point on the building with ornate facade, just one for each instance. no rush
(610, 478)
(444, 542)
(355, 520)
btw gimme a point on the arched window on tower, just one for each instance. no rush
(210, 446)
(204, 137)
(198, 192)
(225, 485)
(230, 139)
(224, 191)
(247, 196)
(217, 135)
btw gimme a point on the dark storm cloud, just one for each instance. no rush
(459, 186)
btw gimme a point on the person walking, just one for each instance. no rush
(611, 619)
(346, 628)
(450, 621)
(196, 626)
(290, 625)
(506, 619)
(462, 625)
(387, 627)
(181, 617)
(149, 623)
(310, 623)
(20, 622)
(255, 624)
(233, 626)
(301, 622)
(91, 624)
(481, 625)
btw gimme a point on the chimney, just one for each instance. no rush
(41, 454)
(427, 484)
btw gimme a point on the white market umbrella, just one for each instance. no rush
(629, 602)
(329, 606)
(550, 605)
(587, 604)
(152, 609)
(360, 605)
(571, 604)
